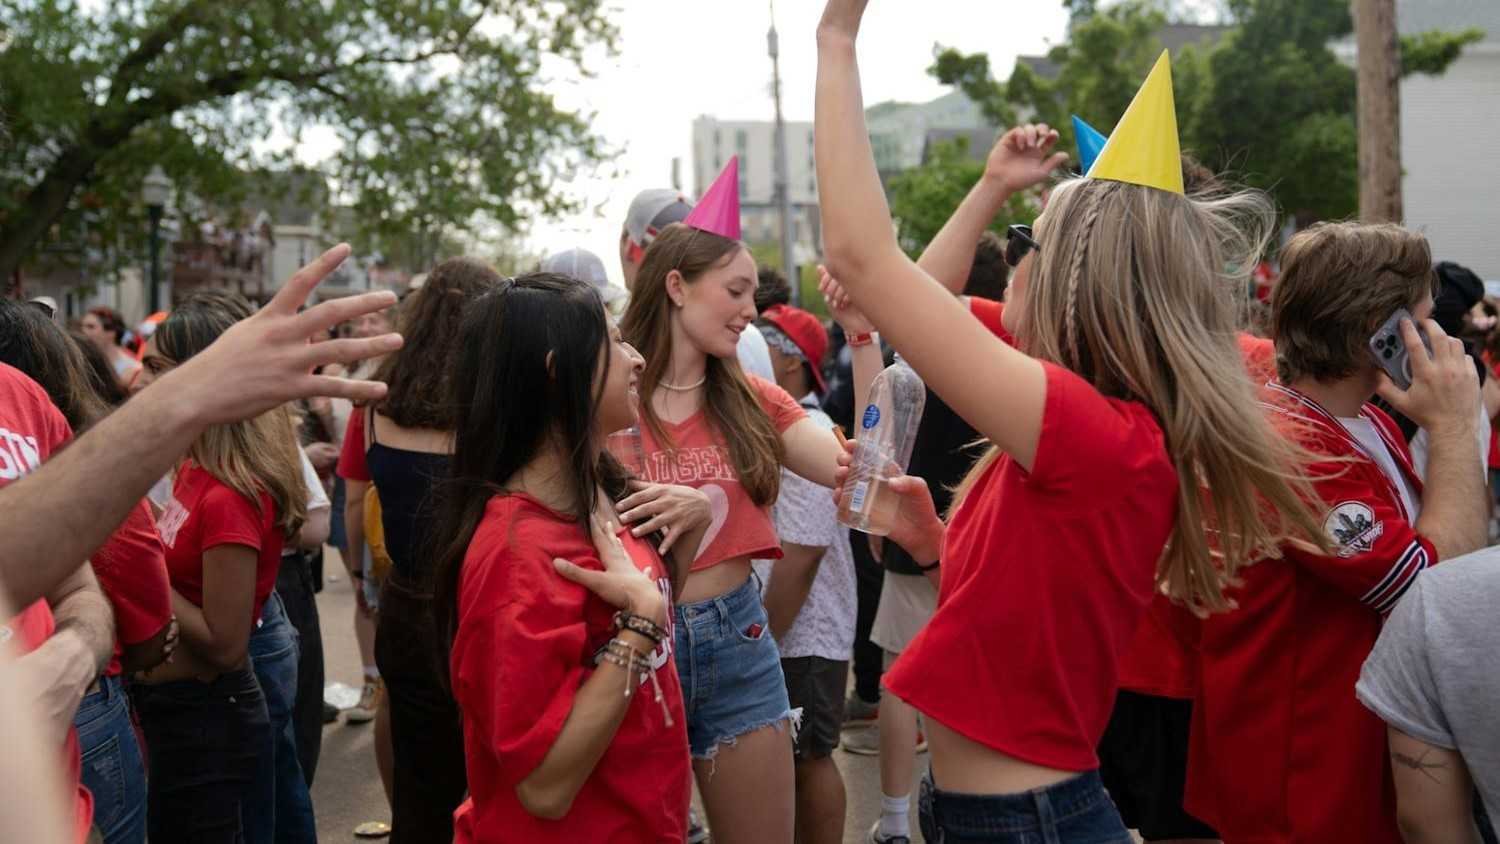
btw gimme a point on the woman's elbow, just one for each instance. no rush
(844, 256)
(548, 803)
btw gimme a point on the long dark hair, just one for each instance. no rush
(31, 342)
(251, 455)
(511, 404)
(418, 375)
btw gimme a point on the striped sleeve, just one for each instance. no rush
(1377, 553)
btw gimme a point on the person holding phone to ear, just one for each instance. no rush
(1281, 750)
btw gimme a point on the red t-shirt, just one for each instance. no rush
(989, 312)
(1161, 660)
(132, 571)
(1494, 456)
(31, 429)
(1046, 575)
(526, 641)
(699, 458)
(352, 465)
(205, 513)
(1280, 748)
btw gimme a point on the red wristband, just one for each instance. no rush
(856, 340)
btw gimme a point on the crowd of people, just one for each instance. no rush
(1149, 569)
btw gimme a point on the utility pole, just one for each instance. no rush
(782, 188)
(1379, 93)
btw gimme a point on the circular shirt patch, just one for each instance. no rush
(1352, 527)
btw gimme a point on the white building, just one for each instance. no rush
(898, 132)
(716, 141)
(1449, 127)
(1449, 123)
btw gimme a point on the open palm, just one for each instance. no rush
(1023, 157)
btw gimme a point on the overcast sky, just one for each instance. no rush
(678, 59)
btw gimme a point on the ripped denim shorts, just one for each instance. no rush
(730, 669)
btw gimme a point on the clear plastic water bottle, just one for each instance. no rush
(887, 432)
(625, 444)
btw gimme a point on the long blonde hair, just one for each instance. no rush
(729, 402)
(1135, 290)
(255, 455)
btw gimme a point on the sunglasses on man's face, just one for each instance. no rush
(1018, 242)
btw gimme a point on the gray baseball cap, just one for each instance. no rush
(584, 266)
(653, 210)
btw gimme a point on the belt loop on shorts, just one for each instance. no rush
(1046, 818)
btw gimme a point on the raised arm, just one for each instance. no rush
(136, 445)
(950, 255)
(812, 451)
(997, 389)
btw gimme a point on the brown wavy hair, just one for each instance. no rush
(250, 456)
(418, 375)
(732, 407)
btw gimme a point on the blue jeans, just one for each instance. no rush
(205, 740)
(729, 667)
(113, 770)
(279, 809)
(1075, 811)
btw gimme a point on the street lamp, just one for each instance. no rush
(155, 191)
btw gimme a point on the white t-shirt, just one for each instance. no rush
(317, 498)
(805, 514)
(1364, 431)
(1419, 446)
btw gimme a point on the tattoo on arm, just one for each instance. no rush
(1419, 764)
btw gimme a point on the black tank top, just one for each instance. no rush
(405, 481)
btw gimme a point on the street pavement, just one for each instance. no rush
(347, 789)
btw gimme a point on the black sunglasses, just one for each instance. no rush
(1018, 242)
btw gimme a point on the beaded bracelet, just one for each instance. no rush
(639, 624)
(635, 663)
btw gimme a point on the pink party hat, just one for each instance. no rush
(718, 211)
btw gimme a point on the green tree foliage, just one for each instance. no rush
(1268, 102)
(923, 198)
(439, 108)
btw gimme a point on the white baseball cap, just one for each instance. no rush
(585, 266)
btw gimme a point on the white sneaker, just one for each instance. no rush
(877, 838)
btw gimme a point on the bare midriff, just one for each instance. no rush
(965, 766)
(715, 580)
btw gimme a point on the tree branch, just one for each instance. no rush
(152, 45)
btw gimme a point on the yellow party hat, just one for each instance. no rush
(1143, 148)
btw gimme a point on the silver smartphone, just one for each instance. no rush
(1389, 350)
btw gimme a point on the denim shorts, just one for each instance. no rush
(729, 667)
(1075, 811)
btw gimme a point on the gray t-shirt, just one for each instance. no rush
(1433, 673)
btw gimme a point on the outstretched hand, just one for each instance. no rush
(1023, 157)
(268, 359)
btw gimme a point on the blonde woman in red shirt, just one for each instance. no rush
(1125, 433)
